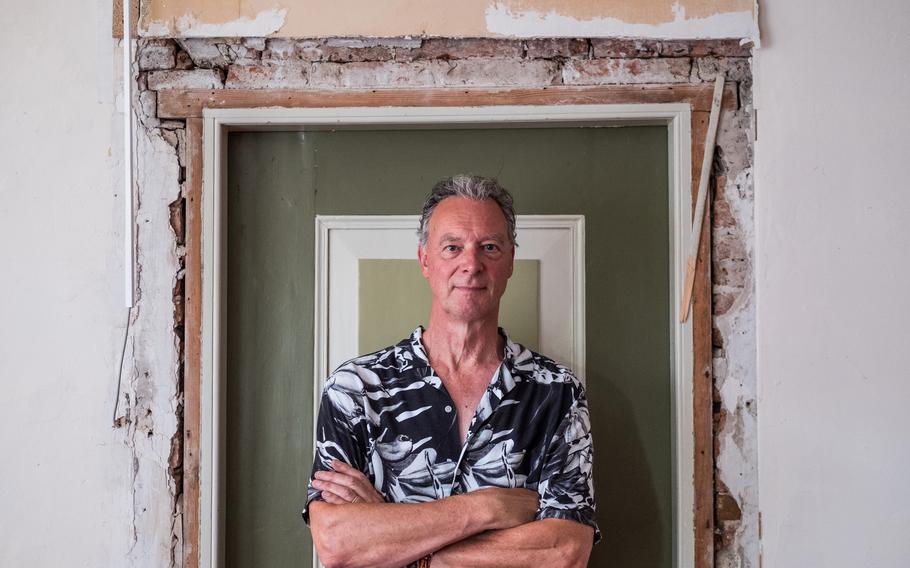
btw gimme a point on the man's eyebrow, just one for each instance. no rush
(448, 238)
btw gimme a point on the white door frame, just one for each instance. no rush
(218, 122)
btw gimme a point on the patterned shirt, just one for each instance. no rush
(389, 415)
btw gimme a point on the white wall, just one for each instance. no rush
(833, 283)
(65, 474)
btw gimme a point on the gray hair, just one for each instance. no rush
(477, 188)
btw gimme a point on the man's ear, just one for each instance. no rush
(422, 259)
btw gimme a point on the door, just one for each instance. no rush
(278, 182)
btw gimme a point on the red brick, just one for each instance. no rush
(462, 49)
(555, 47)
(635, 48)
(705, 47)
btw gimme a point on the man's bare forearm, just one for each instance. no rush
(394, 534)
(549, 542)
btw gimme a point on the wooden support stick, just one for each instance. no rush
(706, 163)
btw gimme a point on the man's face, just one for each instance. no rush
(468, 258)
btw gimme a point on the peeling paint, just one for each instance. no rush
(502, 20)
(736, 382)
(262, 24)
(680, 19)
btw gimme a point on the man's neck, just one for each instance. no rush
(455, 345)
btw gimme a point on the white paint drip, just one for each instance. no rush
(503, 21)
(264, 24)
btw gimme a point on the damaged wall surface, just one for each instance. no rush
(82, 486)
(679, 19)
(271, 63)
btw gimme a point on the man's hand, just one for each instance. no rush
(345, 485)
(507, 507)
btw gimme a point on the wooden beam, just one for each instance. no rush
(192, 382)
(183, 103)
(702, 376)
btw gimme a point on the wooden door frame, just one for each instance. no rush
(192, 105)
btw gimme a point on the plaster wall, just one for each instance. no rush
(832, 233)
(439, 18)
(78, 490)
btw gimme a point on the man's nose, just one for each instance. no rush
(472, 260)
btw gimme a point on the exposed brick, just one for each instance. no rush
(462, 49)
(148, 108)
(256, 43)
(723, 302)
(288, 75)
(725, 535)
(195, 79)
(349, 54)
(555, 47)
(169, 136)
(734, 68)
(279, 49)
(204, 53)
(721, 214)
(239, 53)
(183, 61)
(502, 72)
(625, 48)
(378, 74)
(705, 47)
(156, 54)
(309, 50)
(625, 71)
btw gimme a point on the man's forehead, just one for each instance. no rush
(456, 212)
(453, 237)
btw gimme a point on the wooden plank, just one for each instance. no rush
(117, 19)
(182, 103)
(192, 382)
(702, 377)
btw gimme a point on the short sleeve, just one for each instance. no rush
(340, 428)
(566, 486)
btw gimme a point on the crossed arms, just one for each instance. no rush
(486, 528)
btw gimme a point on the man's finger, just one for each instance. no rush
(341, 491)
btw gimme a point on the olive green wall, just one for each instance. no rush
(278, 182)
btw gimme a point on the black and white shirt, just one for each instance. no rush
(389, 415)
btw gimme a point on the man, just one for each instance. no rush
(457, 446)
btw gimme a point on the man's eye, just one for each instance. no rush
(490, 247)
(450, 248)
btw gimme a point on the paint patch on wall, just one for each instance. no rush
(507, 18)
(683, 19)
(264, 23)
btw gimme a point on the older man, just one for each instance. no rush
(457, 446)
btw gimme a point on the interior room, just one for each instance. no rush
(223, 205)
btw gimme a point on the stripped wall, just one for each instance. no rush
(271, 63)
(676, 19)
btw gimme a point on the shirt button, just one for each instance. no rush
(448, 408)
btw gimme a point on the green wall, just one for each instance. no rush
(279, 181)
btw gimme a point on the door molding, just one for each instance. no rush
(690, 341)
